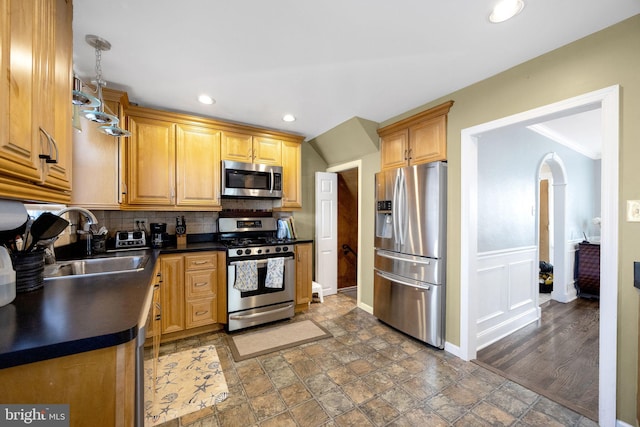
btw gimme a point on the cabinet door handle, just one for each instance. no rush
(198, 262)
(200, 313)
(410, 149)
(48, 137)
(200, 284)
(55, 147)
(406, 152)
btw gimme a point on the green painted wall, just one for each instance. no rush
(609, 57)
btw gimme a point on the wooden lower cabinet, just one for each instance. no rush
(193, 292)
(98, 385)
(172, 293)
(304, 265)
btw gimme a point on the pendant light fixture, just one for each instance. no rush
(98, 114)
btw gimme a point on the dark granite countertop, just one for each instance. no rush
(76, 314)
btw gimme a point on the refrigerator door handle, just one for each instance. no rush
(390, 255)
(394, 210)
(402, 282)
(403, 197)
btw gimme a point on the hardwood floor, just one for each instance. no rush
(557, 357)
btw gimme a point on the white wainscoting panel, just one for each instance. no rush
(507, 293)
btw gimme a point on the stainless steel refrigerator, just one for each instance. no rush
(410, 241)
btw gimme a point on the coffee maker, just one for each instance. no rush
(159, 236)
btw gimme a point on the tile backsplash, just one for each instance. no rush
(197, 222)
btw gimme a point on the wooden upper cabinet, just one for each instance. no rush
(19, 148)
(197, 166)
(428, 140)
(394, 149)
(267, 151)
(246, 148)
(421, 138)
(35, 96)
(5, 82)
(96, 156)
(237, 147)
(291, 176)
(150, 162)
(60, 56)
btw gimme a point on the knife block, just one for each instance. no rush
(181, 241)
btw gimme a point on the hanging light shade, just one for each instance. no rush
(98, 114)
(114, 131)
(80, 98)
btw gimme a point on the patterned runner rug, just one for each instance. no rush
(270, 339)
(186, 382)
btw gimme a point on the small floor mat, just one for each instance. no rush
(275, 338)
(186, 382)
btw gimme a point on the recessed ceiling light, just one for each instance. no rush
(506, 9)
(289, 118)
(206, 99)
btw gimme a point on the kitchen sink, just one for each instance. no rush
(95, 266)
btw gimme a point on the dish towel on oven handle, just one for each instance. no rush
(246, 275)
(275, 273)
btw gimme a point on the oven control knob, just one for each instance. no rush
(267, 250)
(239, 252)
(247, 251)
(278, 249)
(259, 251)
(285, 249)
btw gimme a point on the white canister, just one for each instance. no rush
(7, 278)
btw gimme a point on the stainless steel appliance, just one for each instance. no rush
(130, 239)
(253, 180)
(410, 242)
(253, 239)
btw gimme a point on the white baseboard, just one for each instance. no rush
(496, 333)
(365, 307)
(452, 348)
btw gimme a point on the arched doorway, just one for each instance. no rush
(553, 162)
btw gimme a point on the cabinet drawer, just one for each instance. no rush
(200, 262)
(201, 312)
(200, 283)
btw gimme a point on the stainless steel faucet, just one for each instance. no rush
(91, 219)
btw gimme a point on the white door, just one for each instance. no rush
(327, 231)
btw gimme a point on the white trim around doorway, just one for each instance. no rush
(608, 100)
(343, 167)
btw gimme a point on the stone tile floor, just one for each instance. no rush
(368, 374)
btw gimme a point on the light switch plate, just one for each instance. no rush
(633, 210)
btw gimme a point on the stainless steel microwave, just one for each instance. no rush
(249, 180)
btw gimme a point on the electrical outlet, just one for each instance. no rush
(633, 210)
(140, 224)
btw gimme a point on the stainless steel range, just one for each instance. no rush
(260, 272)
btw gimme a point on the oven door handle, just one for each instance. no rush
(250, 316)
(260, 262)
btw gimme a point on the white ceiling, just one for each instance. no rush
(323, 61)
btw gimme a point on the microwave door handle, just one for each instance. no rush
(271, 189)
